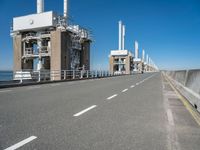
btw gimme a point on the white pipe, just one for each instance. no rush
(123, 36)
(136, 49)
(120, 35)
(149, 61)
(65, 8)
(40, 6)
(143, 55)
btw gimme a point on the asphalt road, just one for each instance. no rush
(119, 113)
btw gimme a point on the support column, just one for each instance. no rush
(17, 46)
(56, 55)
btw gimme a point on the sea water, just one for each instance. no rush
(6, 75)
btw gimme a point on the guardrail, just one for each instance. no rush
(56, 75)
(188, 84)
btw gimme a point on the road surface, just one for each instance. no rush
(136, 112)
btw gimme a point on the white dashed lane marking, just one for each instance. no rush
(124, 90)
(111, 97)
(20, 144)
(132, 86)
(85, 110)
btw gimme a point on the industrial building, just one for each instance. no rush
(137, 62)
(46, 41)
(121, 60)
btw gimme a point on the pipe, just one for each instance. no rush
(147, 59)
(65, 9)
(136, 49)
(120, 35)
(40, 6)
(123, 36)
(143, 55)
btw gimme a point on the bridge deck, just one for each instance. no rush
(139, 112)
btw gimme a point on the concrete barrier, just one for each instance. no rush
(187, 82)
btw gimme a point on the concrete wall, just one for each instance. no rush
(188, 83)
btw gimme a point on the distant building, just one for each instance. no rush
(121, 60)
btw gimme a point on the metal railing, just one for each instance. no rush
(57, 75)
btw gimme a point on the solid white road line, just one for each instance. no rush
(20, 144)
(124, 90)
(34, 87)
(137, 83)
(170, 117)
(70, 83)
(85, 110)
(111, 97)
(55, 84)
(4, 91)
(132, 86)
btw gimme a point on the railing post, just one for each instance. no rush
(87, 74)
(21, 79)
(64, 74)
(74, 74)
(81, 74)
(96, 73)
(91, 74)
(39, 76)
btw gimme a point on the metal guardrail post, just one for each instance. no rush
(74, 74)
(21, 79)
(96, 73)
(87, 74)
(81, 74)
(92, 74)
(39, 76)
(65, 74)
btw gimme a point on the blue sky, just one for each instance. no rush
(169, 30)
